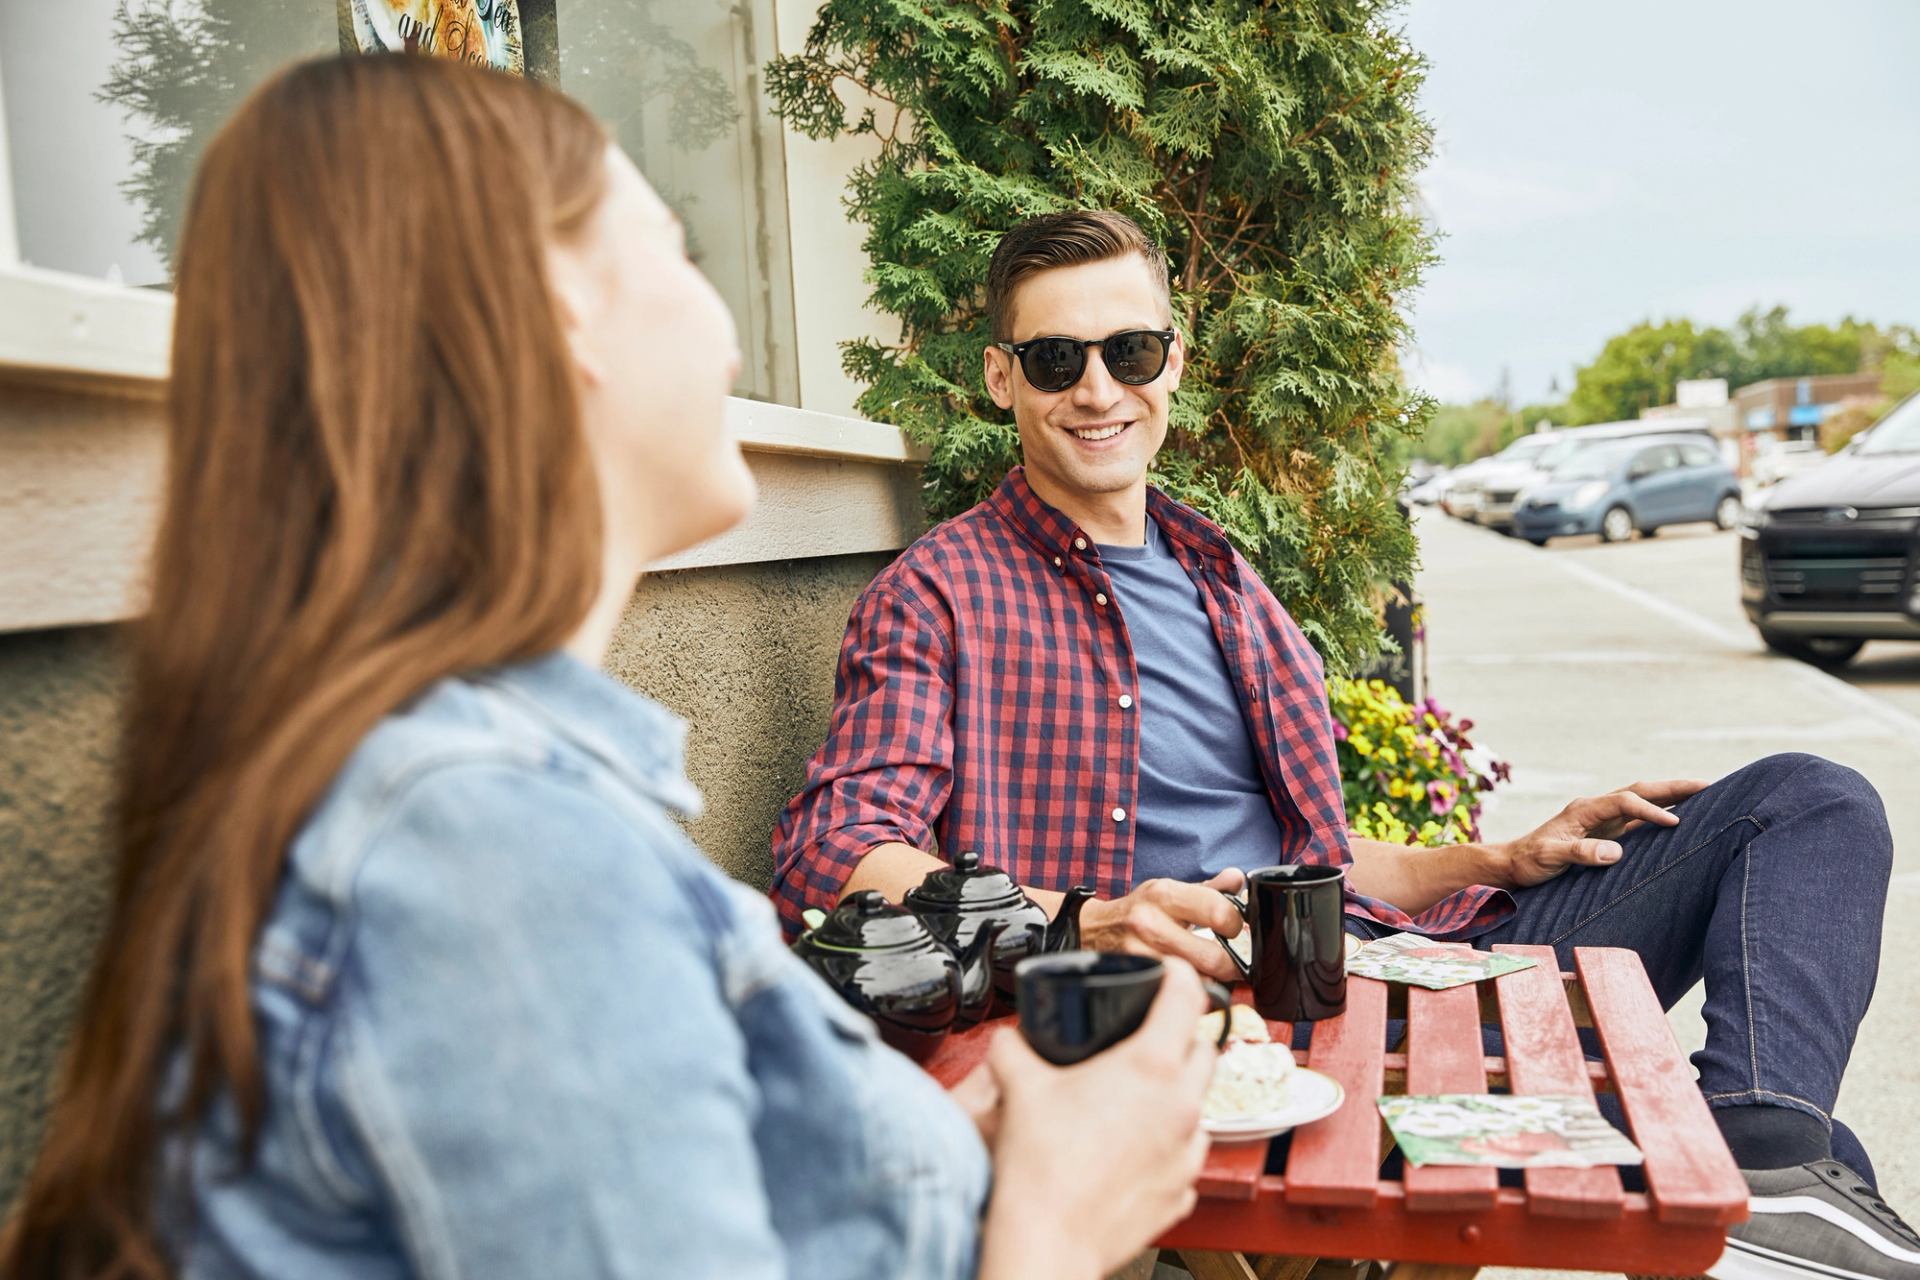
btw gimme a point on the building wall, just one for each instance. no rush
(1767, 408)
(58, 696)
(743, 651)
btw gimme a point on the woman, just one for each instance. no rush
(408, 971)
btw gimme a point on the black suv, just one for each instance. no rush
(1831, 558)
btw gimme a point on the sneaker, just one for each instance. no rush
(1817, 1220)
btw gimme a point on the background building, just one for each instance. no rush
(1794, 408)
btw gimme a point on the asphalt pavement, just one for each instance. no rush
(1588, 666)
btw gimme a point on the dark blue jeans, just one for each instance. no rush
(1771, 888)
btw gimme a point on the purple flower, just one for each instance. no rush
(1339, 731)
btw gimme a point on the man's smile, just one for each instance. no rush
(1096, 432)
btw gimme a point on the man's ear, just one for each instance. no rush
(999, 370)
(1176, 362)
(569, 279)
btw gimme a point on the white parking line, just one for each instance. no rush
(1902, 722)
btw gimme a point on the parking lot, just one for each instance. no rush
(1589, 666)
(1694, 569)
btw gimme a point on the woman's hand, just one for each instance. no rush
(978, 1094)
(1093, 1162)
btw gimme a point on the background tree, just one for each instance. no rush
(1637, 369)
(1269, 147)
(1458, 433)
(1766, 344)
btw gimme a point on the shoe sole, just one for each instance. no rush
(1749, 1262)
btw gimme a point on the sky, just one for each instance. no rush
(1602, 164)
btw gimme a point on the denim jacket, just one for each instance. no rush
(512, 1023)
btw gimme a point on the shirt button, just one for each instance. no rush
(1079, 544)
(1100, 597)
(1126, 700)
(1058, 562)
(1119, 815)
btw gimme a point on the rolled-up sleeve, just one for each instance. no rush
(885, 771)
(538, 1058)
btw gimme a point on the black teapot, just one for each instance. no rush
(957, 902)
(887, 964)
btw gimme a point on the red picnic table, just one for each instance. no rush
(1332, 1202)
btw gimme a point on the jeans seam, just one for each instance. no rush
(1771, 1093)
(1704, 842)
(1746, 961)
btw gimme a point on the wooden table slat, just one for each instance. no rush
(963, 1050)
(1444, 1056)
(1233, 1169)
(1690, 1174)
(1336, 1161)
(1544, 1057)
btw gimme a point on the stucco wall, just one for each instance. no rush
(745, 652)
(59, 693)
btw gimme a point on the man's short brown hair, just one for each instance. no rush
(1065, 239)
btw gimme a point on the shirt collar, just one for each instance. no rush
(1054, 535)
(631, 734)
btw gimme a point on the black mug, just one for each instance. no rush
(1296, 916)
(1073, 1004)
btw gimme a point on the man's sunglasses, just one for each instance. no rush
(1135, 357)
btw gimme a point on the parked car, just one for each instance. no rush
(1427, 492)
(1501, 490)
(1466, 492)
(1617, 487)
(1783, 458)
(1831, 558)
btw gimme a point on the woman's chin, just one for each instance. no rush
(723, 507)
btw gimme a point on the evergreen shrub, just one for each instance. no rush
(1270, 147)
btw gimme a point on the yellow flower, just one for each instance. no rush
(1396, 786)
(1389, 756)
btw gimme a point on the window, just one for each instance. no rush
(1697, 455)
(1898, 432)
(104, 116)
(1652, 461)
(105, 112)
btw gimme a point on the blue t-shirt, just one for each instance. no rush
(1202, 805)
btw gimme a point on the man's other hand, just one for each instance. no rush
(1584, 833)
(1157, 919)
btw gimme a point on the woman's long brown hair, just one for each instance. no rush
(376, 477)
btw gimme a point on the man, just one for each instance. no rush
(1082, 680)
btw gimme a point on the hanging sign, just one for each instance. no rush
(516, 36)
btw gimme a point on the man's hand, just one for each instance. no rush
(1157, 919)
(1583, 834)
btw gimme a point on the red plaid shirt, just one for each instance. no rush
(978, 699)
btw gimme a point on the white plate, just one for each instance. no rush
(1310, 1096)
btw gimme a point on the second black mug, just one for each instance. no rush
(1298, 970)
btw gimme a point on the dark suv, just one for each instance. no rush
(1831, 558)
